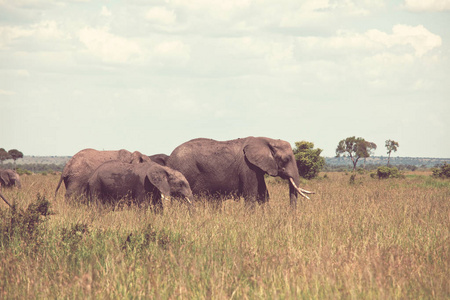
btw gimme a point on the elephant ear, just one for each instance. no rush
(159, 179)
(5, 178)
(259, 152)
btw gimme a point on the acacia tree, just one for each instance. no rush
(391, 145)
(3, 155)
(15, 154)
(355, 148)
(309, 161)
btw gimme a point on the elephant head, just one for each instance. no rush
(9, 178)
(138, 157)
(169, 182)
(275, 157)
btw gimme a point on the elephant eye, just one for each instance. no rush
(285, 159)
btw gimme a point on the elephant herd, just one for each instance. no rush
(197, 167)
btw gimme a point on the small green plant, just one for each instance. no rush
(71, 237)
(164, 239)
(360, 171)
(21, 171)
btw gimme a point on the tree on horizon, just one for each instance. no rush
(15, 154)
(4, 155)
(355, 148)
(391, 145)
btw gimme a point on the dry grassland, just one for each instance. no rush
(374, 239)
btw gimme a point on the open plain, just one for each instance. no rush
(368, 240)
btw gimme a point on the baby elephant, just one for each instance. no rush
(115, 180)
(9, 178)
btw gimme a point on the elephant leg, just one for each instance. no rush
(263, 193)
(255, 190)
(157, 204)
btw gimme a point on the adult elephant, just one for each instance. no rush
(80, 167)
(159, 158)
(116, 180)
(9, 178)
(237, 166)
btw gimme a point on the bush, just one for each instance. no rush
(442, 172)
(387, 172)
(21, 172)
(22, 224)
(309, 161)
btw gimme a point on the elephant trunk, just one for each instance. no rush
(294, 190)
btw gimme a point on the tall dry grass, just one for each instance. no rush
(372, 239)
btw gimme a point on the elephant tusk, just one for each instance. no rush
(164, 197)
(299, 190)
(187, 199)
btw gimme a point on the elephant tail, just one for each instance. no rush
(59, 184)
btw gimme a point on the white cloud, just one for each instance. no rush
(7, 93)
(161, 15)
(217, 5)
(427, 5)
(43, 31)
(175, 51)
(417, 37)
(21, 73)
(311, 11)
(105, 12)
(215, 9)
(108, 47)
(48, 30)
(8, 34)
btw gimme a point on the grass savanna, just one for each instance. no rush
(371, 239)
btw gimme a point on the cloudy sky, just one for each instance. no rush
(150, 75)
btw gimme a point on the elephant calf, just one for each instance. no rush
(115, 180)
(9, 178)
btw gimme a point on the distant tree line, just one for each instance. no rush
(329, 167)
(34, 168)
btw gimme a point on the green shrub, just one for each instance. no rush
(387, 172)
(309, 161)
(21, 172)
(72, 236)
(442, 172)
(22, 224)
